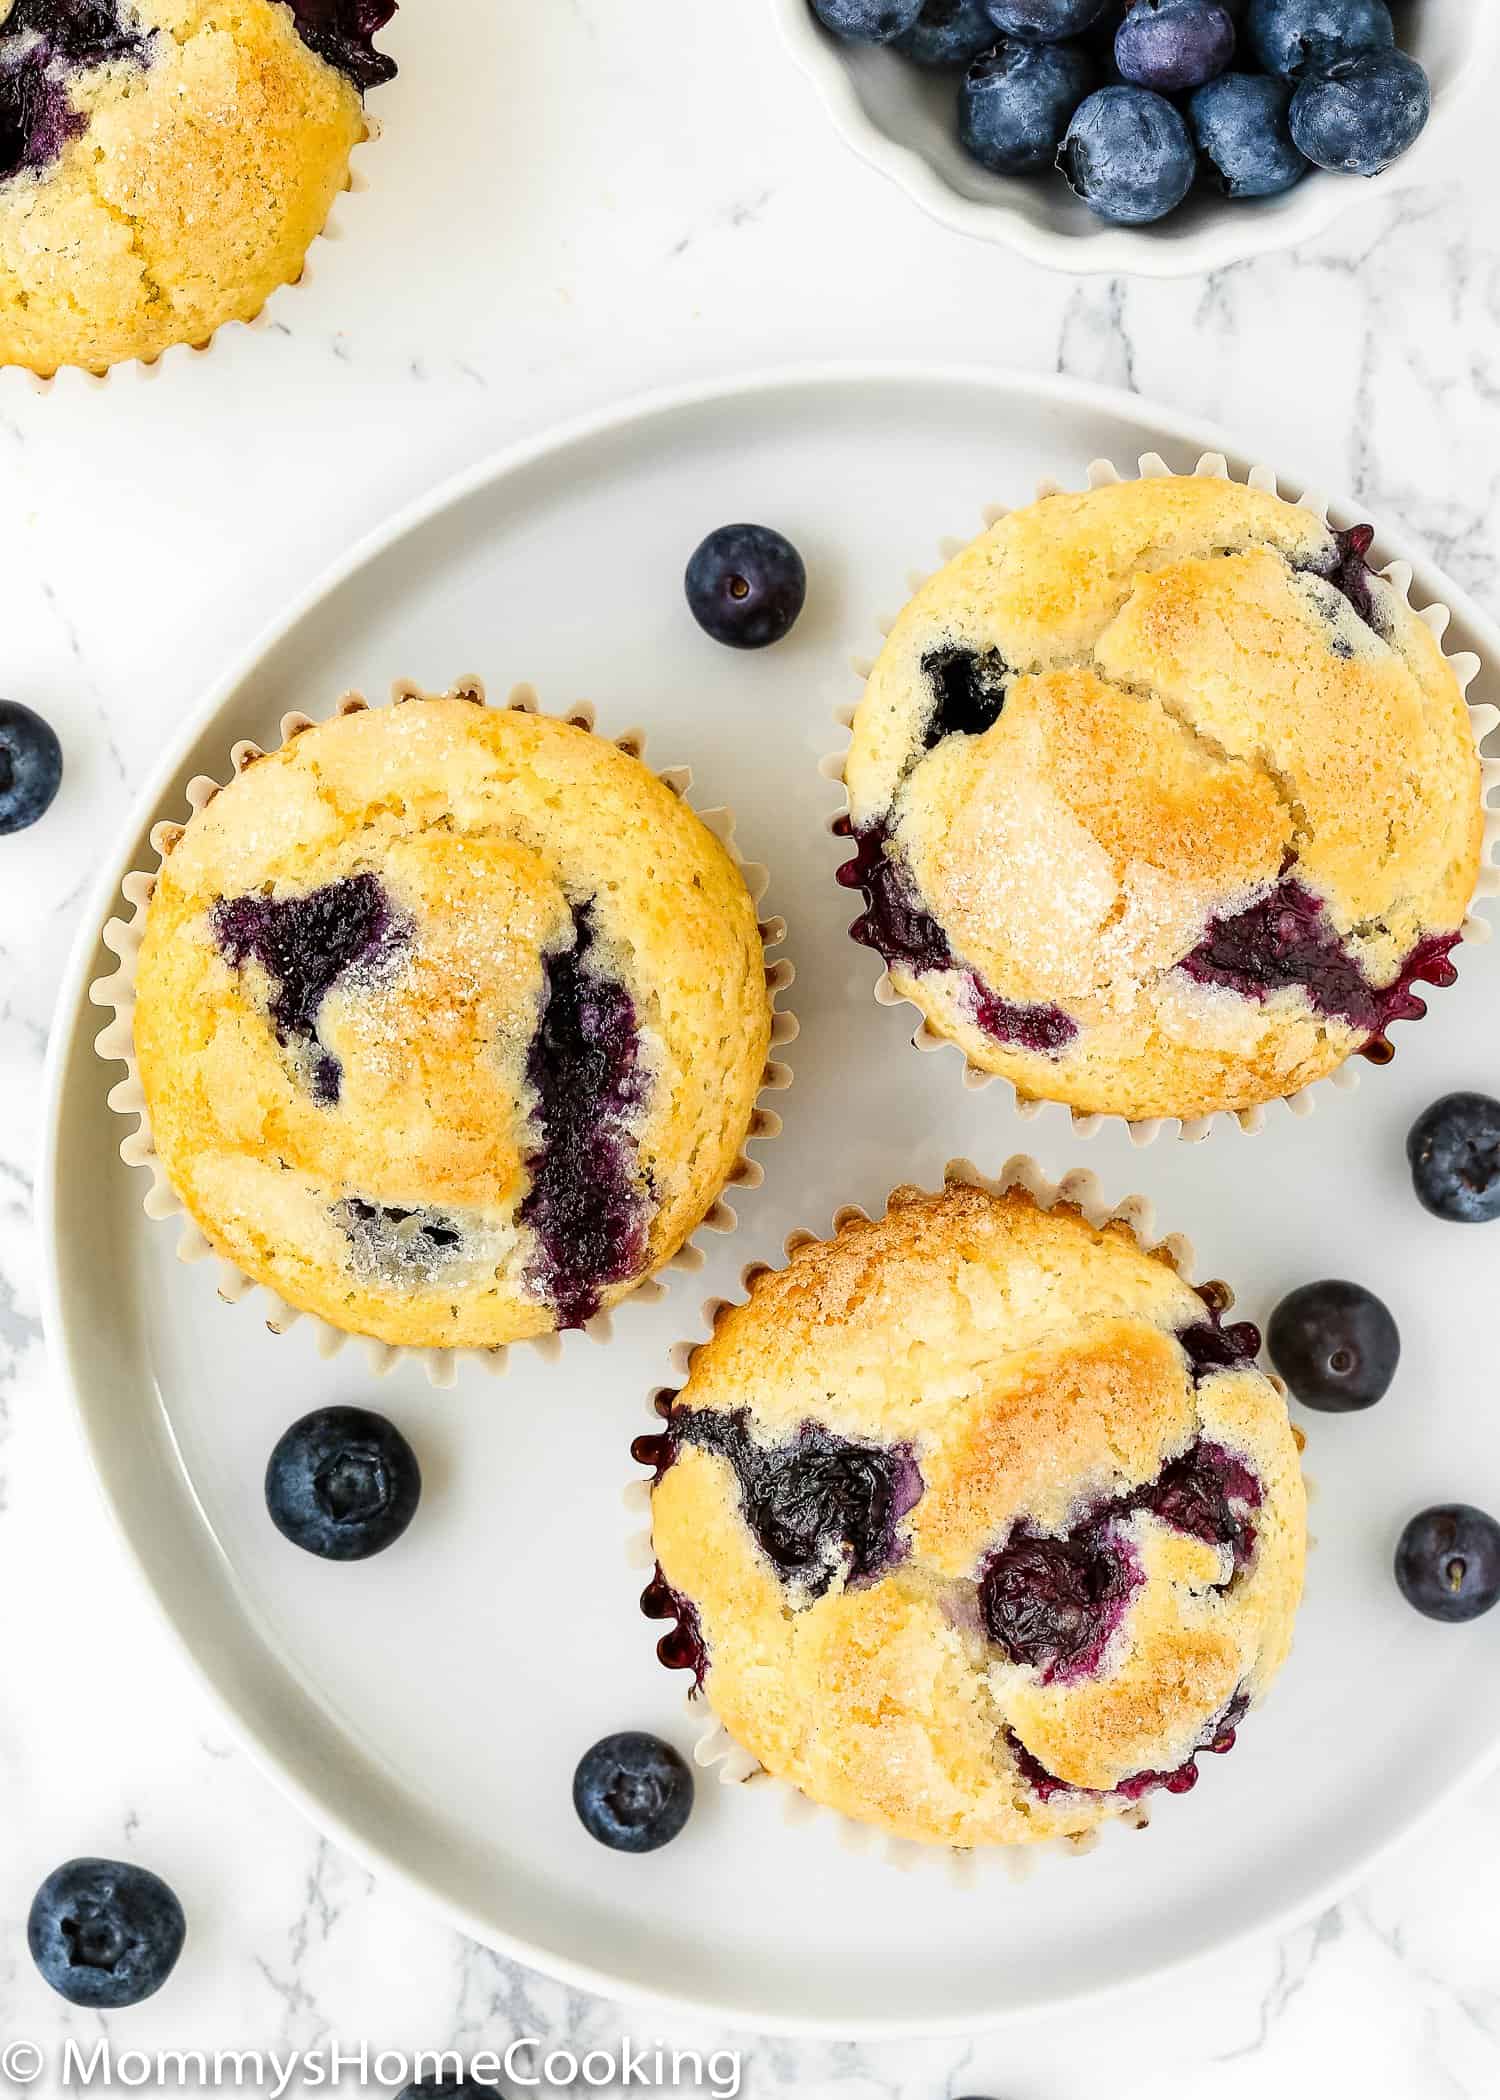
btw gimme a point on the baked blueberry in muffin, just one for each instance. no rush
(165, 165)
(977, 1522)
(1162, 801)
(450, 1021)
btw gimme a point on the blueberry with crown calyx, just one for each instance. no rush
(632, 1792)
(104, 1933)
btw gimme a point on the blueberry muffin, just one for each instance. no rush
(165, 164)
(450, 1021)
(977, 1522)
(1162, 800)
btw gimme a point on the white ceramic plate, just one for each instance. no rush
(900, 118)
(427, 1708)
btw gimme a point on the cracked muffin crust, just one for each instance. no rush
(976, 1521)
(450, 1022)
(1162, 800)
(166, 164)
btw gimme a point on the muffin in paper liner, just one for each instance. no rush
(134, 120)
(1301, 1100)
(839, 1293)
(116, 1042)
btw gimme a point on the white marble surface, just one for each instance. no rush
(574, 199)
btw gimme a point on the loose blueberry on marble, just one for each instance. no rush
(1045, 21)
(1302, 38)
(341, 32)
(632, 1792)
(585, 1204)
(867, 21)
(947, 33)
(1170, 45)
(1127, 155)
(105, 1934)
(1336, 1346)
(31, 761)
(343, 1483)
(1448, 1563)
(1361, 115)
(1239, 123)
(1453, 1150)
(1013, 109)
(746, 586)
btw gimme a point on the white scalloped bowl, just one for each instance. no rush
(899, 118)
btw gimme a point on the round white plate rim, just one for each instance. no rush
(1241, 236)
(74, 1011)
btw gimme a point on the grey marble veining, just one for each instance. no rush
(590, 203)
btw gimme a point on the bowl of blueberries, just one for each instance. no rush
(1162, 137)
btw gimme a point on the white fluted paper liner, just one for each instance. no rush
(116, 1043)
(716, 1750)
(1483, 717)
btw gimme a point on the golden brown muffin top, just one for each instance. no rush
(1162, 799)
(977, 1522)
(450, 1021)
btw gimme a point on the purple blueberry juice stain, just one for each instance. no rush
(342, 32)
(1217, 1739)
(585, 1204)
(305, 945)
(36, 117)
(817, 1505)
(968, 692)
(683, 1648)
(898, 925)
(1285, 940)
(1348, 570)
(401, 1249)
(1052, 1603)
(1211, 1346)
(79, 33)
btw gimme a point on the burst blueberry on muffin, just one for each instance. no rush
(1162, 800)
(450, 1022)
(977, 1522)
(165, 165)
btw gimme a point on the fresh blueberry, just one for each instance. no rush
(105, 1934)
(31, 766)
(1127, 154)
(343, 1483)
(867, 21)
(1362, 114)
(1448, 1563)
(746, 585)
(1239, 122)
(947, 33)
(632, 1792)
(1299, 38)
(1015, 102)
(1336, 1346)
(1045, 21)
(1173, 44)
(1454, 1153)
